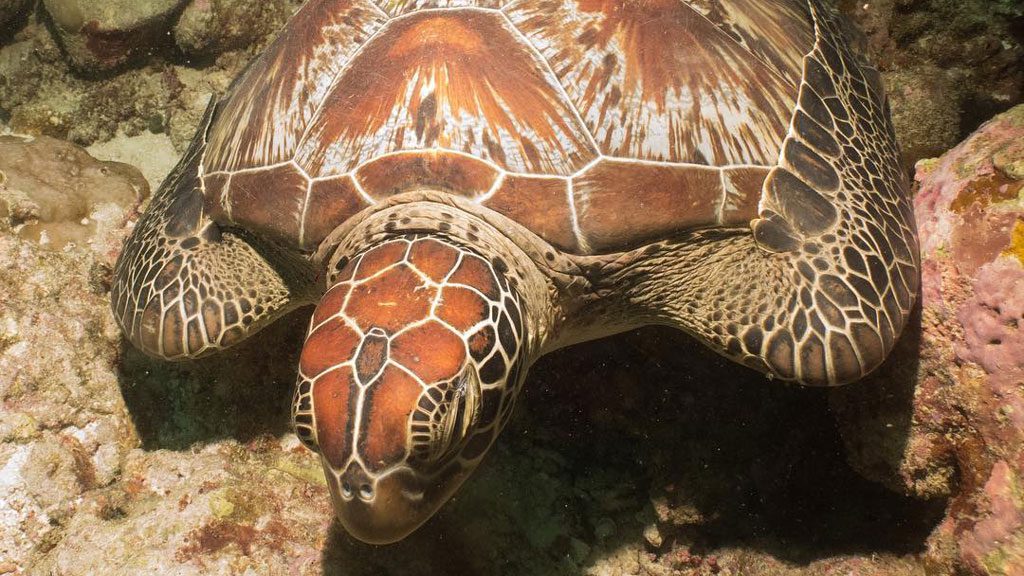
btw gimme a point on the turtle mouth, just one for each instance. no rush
(388, 508)
(385, 510)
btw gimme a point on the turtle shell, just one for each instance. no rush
(598, 124)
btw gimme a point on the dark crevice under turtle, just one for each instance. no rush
(463, 188)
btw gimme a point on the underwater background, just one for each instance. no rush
(639, 454)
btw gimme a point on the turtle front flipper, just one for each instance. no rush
(824, 285)
(182, 288)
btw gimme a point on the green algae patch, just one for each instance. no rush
(311, 474)
(1014, 169)
(1006, 559)
(244, 506)
(221, 504)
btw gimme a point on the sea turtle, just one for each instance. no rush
(462, 186)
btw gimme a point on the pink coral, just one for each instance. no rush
(964, 368)
(992, 318)
(988, 547)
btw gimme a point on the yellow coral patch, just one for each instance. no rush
(985, 190)
(1016, 247)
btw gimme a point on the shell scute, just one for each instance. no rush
(399, 7)
(460, 174)
(269, 202)
(331, 202)
(452, 79)
(263, 118)
(539, 203)
(563, 115)
(720, 92)
(621, 202)
(743, 187)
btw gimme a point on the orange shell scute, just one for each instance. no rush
(390, 401)
(330, 303)
(433, 258)
(325, 346)
(380, 258)
(431, 351)
(390, 300)
(474, 271)
(462, 308)
(332, 395)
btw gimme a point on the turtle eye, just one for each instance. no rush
(467, 402)
(461, 410)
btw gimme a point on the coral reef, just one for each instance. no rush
(926, 102)
(10, 12)
(63, 426)
(101, 36)
(949, 64)
(55, 193)
(953, 424)
(52, 84)
(153, 154)
(208, 27)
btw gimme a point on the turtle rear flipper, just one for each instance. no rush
(823, 287)
(183, 288)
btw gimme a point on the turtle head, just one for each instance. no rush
(409, 371)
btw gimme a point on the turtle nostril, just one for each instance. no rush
(355, 481)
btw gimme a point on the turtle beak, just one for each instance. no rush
(382, 510)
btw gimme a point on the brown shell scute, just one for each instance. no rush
(563, 115)
(779, 32)
(658, 80)
(457, 80)
(399, 7)
(456, 173)
(541, 204)
(276, 216)
(622, 203)
(269, 107)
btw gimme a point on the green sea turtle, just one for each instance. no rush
(462, 186)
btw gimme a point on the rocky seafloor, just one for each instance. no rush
(640, 454)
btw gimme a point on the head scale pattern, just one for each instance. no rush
(410, 369)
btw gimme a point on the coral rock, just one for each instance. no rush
(104, 34)
(925, 110)
(209, 27)
(952, 423)
(10, 11)
(949, 64)
(55, 193)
